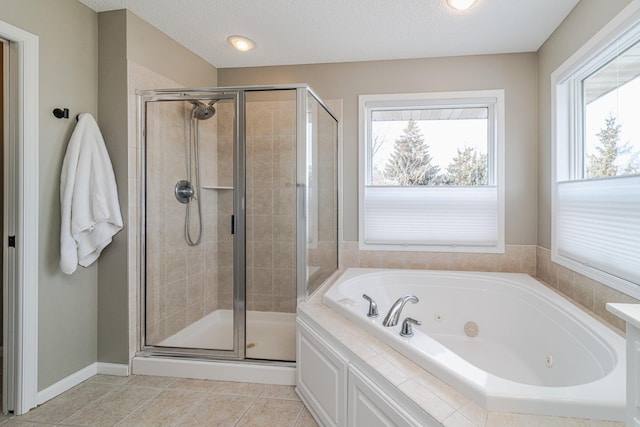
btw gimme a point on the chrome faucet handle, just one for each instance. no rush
(406, 330)
(373, 307)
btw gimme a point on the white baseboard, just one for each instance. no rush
(120, 370)
(80, 376)
(214, 370)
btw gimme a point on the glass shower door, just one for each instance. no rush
(271, 224)
(190, 144)
(321, 193)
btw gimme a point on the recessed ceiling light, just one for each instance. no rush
(461, 4)
(242, 44)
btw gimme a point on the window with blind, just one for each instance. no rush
(432, 172)
(596, 188)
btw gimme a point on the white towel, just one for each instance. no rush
(90, 210)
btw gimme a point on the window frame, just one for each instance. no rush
(567, 124)
(494, 100)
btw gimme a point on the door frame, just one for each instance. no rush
(21, 310)
(239, 308)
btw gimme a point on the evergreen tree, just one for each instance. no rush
(467, 168)
(602, 163)
(411, 163)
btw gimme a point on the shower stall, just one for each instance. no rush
(239, 218)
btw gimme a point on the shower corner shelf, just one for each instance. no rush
(216, 187)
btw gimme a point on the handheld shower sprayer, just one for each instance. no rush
(185, 191)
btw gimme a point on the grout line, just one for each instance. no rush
(295, 423)
(191, 410)
(105, 397)
(255, 399)
(136, 410)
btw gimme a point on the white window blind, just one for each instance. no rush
(446, 216)
(598, 224)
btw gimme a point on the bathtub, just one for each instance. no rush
(503, 340)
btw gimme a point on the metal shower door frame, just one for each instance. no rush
(239, 246)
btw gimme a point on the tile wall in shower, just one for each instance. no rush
(271, 204)
(223, 178)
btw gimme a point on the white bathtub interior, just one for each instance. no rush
(523, 357)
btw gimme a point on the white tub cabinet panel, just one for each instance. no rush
(321, 377)
(369, 406)
(339, 389)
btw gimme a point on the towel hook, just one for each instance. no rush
(61, 113)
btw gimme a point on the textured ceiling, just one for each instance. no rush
(320, 31)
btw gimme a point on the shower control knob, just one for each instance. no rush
(184, 191)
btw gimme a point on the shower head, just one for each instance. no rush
(202, 111)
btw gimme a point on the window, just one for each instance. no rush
(596, 187)
(432, 171)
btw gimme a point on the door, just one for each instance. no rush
(193, 224)
(20, 263)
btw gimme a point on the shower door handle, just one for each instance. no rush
(233, 224)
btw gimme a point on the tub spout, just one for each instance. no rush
(394, 313)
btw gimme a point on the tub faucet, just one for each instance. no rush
(394, 312)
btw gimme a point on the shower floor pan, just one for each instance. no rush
(269, 336)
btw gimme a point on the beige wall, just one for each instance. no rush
(68, 68)
(587, 18)
(515, 73)
(112, 281)
(153, 49)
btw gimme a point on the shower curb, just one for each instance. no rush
(215, 370)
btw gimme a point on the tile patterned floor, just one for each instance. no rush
(163, 401)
